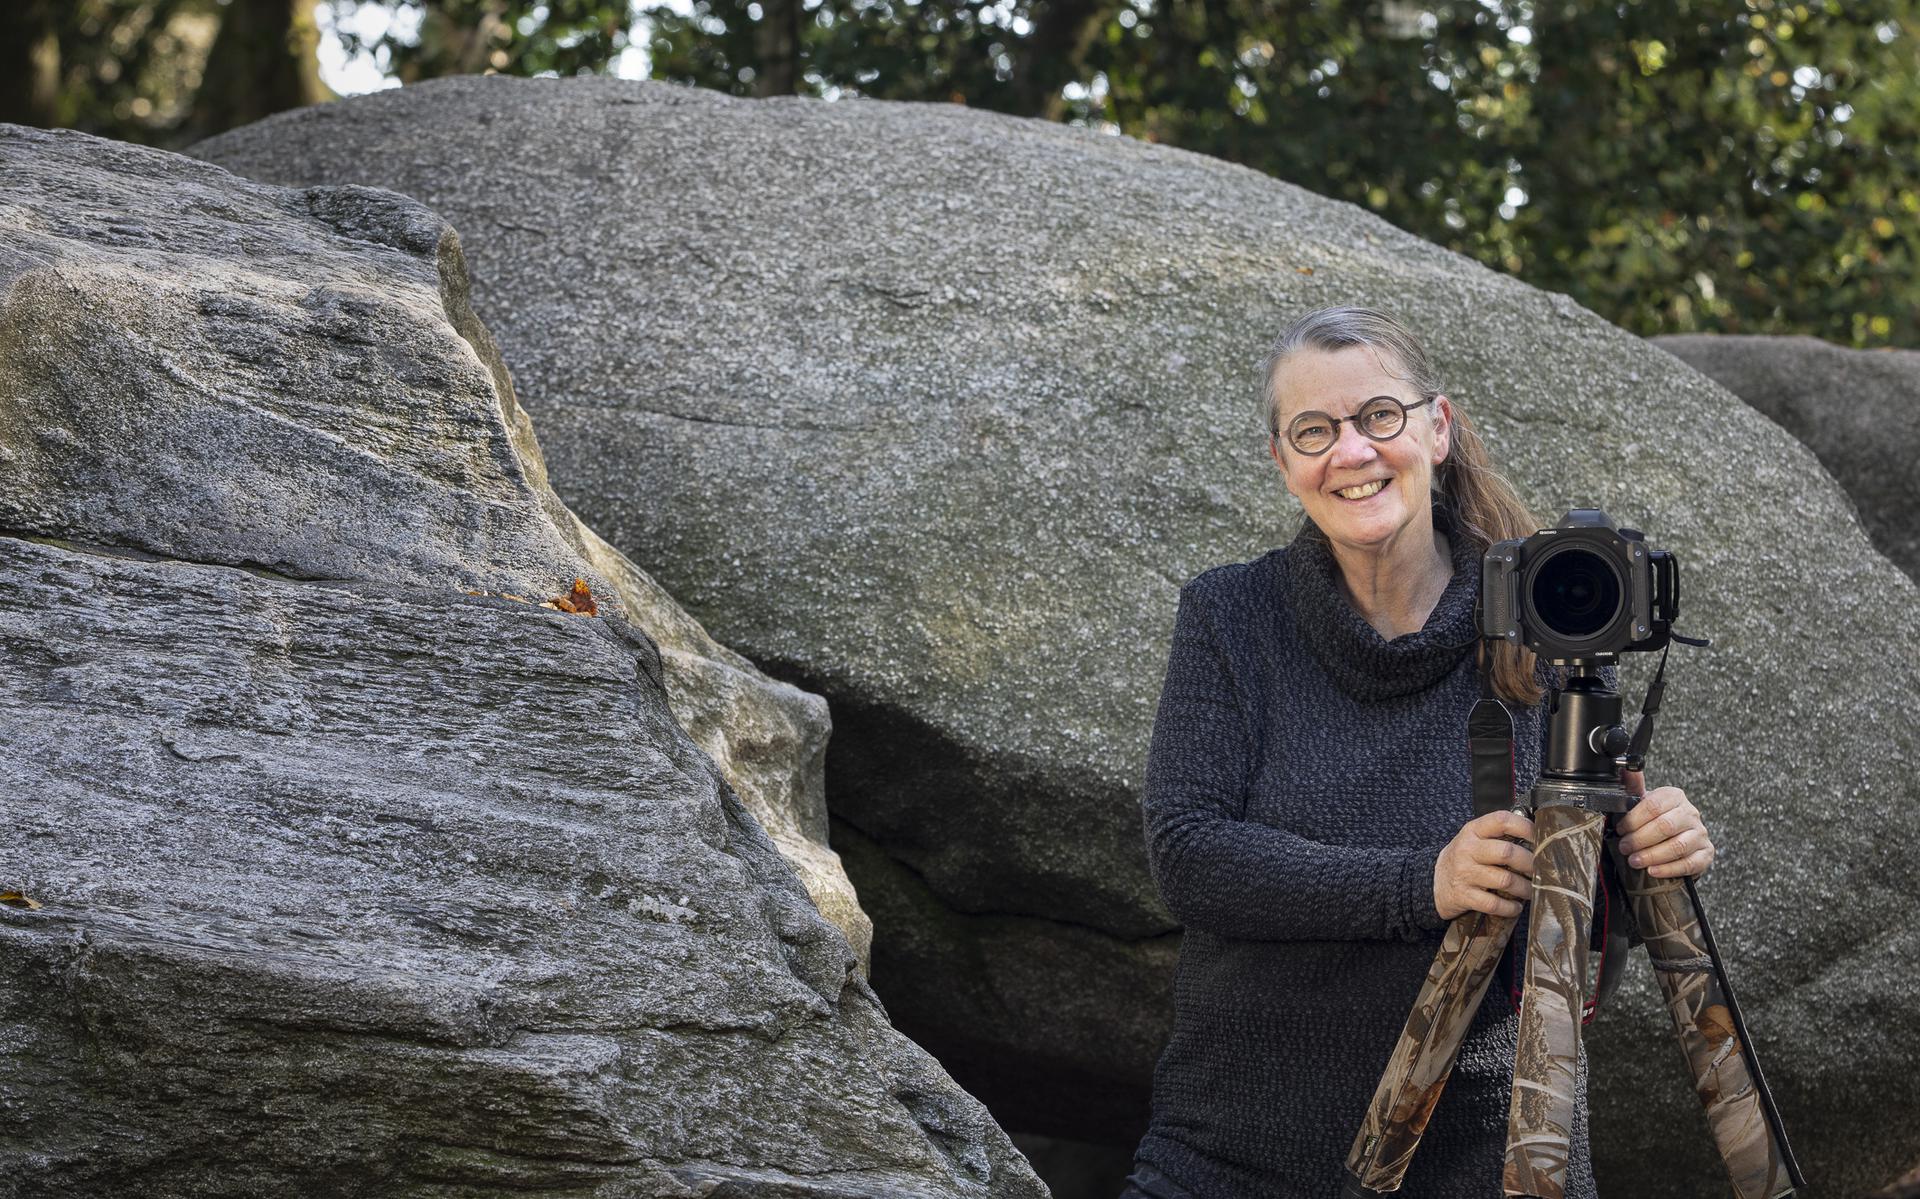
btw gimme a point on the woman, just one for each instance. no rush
(1308, 802)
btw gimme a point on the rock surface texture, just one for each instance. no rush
(931, 411)
(338, 862)
(1857, 410)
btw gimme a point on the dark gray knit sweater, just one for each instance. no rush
(1303, 777)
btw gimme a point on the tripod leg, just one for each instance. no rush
(1726, 1075)
(1423, 1057)
(1546, 1064)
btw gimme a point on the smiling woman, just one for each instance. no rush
(1366, 479)
(1308, 800)
(1351, 402)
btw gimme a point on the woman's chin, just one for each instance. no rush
(1364, 523)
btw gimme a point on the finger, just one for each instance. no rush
(1504, 853)
(1672, 823)
(1693, 864)
(1657, 832)
(1504, 823)
(1663, 827)
(1672, 849)
(1670, 797)
(1492, 878)
(1635, 782)
(1649, 809)
(1486, 901)
(1645, 809)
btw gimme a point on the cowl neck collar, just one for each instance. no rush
(1361, 662)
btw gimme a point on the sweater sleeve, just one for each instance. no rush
(1225, 875)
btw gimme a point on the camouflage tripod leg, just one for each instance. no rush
(1423, 1058)
(1703, 1018)
(1566, 851)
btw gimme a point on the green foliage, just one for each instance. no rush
(1676, 165)
(138, 69)
(123, 68)
(512, 37)
(164, 72)
(889, 49)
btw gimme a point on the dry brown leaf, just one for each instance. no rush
(580, 600)
(14, 899)
(1305, 270)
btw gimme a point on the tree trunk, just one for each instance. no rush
(264, 60)
(1052, 56)
(459, 39)
(29, 64)
(778, 43)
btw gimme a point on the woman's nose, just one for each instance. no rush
(1352, 448)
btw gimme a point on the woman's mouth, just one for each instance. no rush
(1362, 492)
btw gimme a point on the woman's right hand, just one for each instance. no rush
(1481, 871)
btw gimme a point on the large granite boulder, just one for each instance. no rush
(932, 410)
(352, 847)
(410, 463)
(1857, 410)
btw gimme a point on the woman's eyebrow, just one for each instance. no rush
(1363, 403)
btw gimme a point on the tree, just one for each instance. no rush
(168, 72)
(30, 63)
(262, 61)
(1676, 165)
(122, 67)
(512, 37)
(1722, 165)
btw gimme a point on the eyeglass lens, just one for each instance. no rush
(1380, 418)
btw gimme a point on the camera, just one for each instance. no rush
(1585, 589)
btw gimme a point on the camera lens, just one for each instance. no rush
(1576, 593)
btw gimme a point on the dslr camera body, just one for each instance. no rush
(1584, 591)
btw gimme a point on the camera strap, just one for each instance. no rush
(1613, 936)
(1490, 743)
(1490, 740)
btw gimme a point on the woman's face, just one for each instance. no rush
(1338, 382)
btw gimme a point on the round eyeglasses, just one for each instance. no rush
(1381, 418)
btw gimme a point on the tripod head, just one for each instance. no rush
(1586, 743)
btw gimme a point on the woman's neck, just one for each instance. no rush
(1395, 586)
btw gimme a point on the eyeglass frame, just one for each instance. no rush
(1337, 421)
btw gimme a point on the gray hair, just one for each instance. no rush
(1336, 329)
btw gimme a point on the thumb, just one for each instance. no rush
(1634, 781)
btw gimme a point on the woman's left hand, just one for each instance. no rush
(1663, 832)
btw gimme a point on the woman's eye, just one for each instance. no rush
(1382, 418)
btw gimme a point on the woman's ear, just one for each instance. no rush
(1442, 428)
(1273, 447)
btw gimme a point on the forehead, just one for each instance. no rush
(1335, 381)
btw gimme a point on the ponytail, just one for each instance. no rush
(1485, 510)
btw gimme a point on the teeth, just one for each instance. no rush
(1363, 491)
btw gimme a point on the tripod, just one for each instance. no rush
(1574, 807)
